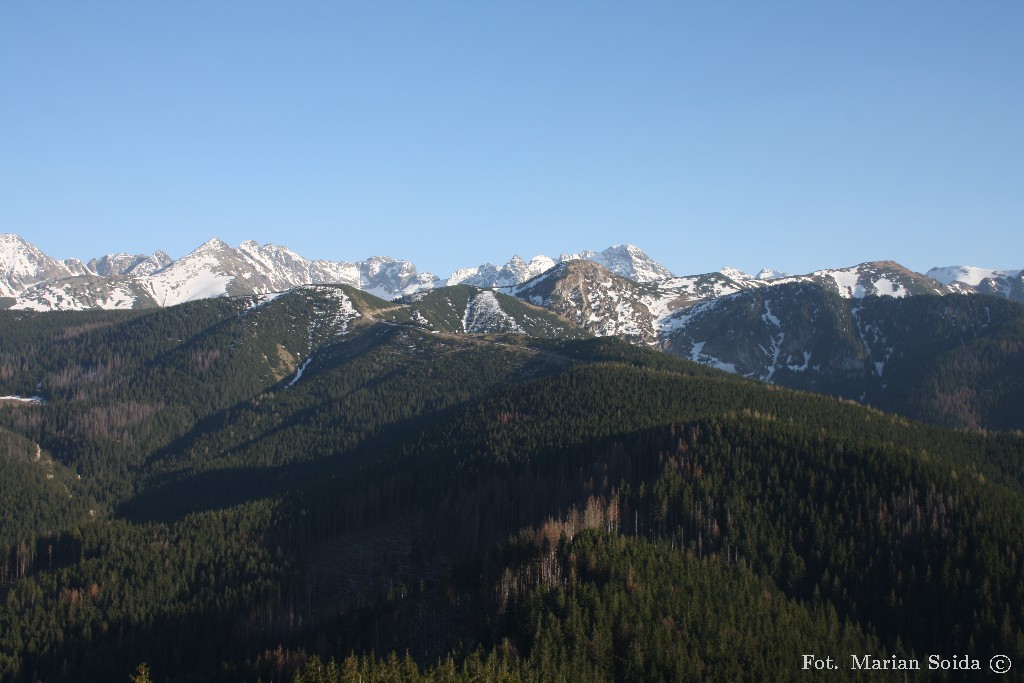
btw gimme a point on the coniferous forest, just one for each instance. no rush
(314, 488)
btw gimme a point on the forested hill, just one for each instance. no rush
(956, 361)
(324, 485)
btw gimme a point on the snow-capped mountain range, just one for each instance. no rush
(30, 279)
(36, 281)
(831, 330)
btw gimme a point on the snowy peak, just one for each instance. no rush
(388, 277)
(213, 244)
(23, 265)
(762, 276)
(514, 272)
(213, 269)
(113, 264)
(735, 274)
(216, 269)
(76, 267)
(770, 274)
(126, 264)
(158, 261)
(34, 280)
(524, 271)
(968, 275)
(626, 261)
(1008, 284)
(203, 273)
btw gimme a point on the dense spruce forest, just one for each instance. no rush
(310, 487)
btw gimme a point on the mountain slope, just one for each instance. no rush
(514, 272)
(624, 260)
(468, 310)
(595, 299)
(214, 269)
(1007, 284)
(128, 264)
(87, 292)
(951, 360)
(23, 265)
(285, 475)
(875, 278)
(700, 317)
(217, 269)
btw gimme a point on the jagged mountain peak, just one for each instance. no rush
(122, 263)
(75, 266)
(515, 271)
(22, 265)
(14, 250)
(217, 269)
(626, 260)
(770, 274)
(253, 245)
(213, 244)
(735, 274)
(113, 264)
(10, 238)
(376, 264)
(155, 263)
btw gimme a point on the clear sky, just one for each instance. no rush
(795, 135)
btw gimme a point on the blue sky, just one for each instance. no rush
(794, 135)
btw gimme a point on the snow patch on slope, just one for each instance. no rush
(198, 275)
(886, 287)
(847, 280)
(63, 295)
(334, 319)
(776, 340)
(698, 356)
(23, 265)
(198, 285)
(792, 367)
(484, 315)
(625, 260)
(679, 320)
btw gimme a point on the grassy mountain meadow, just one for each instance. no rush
(326, 486)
